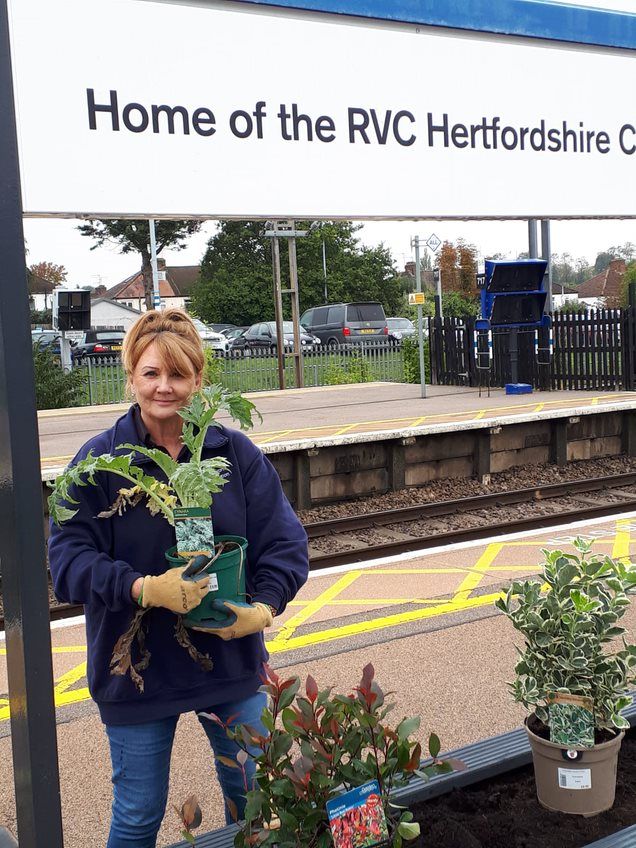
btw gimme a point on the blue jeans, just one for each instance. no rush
(140, 755)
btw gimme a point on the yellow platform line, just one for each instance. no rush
(622, 540)
(334, 633)
(418, 421)
(471, 581)
(62, 649)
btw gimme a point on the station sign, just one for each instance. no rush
(403, 121)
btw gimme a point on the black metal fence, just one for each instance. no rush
(595, 350)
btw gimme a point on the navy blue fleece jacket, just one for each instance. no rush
(95, 561)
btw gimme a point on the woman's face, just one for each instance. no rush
(160, 392)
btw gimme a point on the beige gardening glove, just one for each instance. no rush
(243, 619)
(169, 590)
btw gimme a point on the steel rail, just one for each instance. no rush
(438, 509)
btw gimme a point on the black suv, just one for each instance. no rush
(342, 323)
(99, 343)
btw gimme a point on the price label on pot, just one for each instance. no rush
(213, 583)
(575, 778)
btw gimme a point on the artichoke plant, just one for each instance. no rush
(569, 617)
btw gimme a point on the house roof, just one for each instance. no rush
(607, 284)
(179, 280)
(116, 303)
(39, 285)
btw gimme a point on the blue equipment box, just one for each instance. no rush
(518, 389)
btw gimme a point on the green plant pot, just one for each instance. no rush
(229, 569)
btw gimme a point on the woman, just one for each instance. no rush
(115, 565)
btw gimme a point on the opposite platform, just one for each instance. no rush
(351, 414)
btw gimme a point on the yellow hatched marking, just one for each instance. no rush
(480, 414)
(471, 581)
(331, 634)
(418, 421)
(287, 630)
(539, 407)
(346, 429)
(63, 697)
(594, 401)
(277, 435)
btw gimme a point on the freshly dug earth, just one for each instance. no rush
(504, 813)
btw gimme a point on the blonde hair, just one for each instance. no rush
(178, 343)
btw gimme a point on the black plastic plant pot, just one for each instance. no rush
(226, 574)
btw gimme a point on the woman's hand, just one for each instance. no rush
(169, 590)
(243, 619)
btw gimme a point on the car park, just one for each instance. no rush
(96, 343)
(400, 329)
(344, 323)
(262, 336)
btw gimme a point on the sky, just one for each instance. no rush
(58, 241)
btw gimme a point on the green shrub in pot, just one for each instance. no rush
(573, 673)
(316, 746)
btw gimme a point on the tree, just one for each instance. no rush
(603, 259)
(134, 237)
(236, 281)
(49, 271)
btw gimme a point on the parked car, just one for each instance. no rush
(263, 336)
(210, 337)
(99, 343)
(342, 323)
(233, 332)
(46, 340)
(219, 328)
(400, 328)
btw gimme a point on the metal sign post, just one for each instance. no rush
(415, 243)
(22, 560)
(156, 294)
(276, 230)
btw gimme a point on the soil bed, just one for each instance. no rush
(504, 813)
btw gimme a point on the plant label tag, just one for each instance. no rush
(575, 778)
(194, 531)
(571, 720)
(356, 817)
(213, 583)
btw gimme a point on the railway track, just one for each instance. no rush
(592, 498)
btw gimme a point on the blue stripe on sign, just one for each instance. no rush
(531, 18)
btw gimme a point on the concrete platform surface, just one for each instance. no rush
(425, 620)
(352, 413)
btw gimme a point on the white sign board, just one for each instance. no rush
(137, 108)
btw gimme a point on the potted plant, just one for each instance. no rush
(184, 499)
(572, 675)
(326, 767)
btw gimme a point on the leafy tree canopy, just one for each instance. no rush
(236, 281)
(134, 237)
(49, 271)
